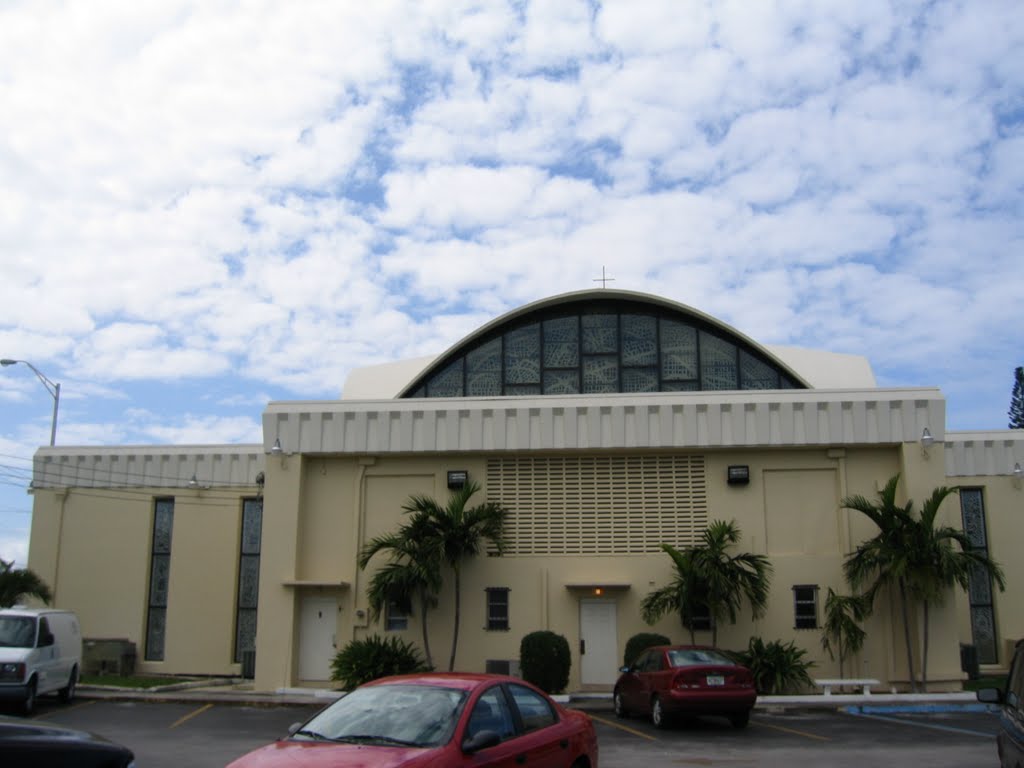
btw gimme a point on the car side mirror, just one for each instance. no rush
(481, 740)
(293, 728)
(625, 670)
(990, 696)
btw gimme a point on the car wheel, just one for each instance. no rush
(620, 705)
(740, 719)
(67, 693)
(28, 706)
(658, 714)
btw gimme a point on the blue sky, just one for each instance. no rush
(207, 206)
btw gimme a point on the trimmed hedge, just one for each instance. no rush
(639, 643)
(545, 661)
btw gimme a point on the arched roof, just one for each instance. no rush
(601, 341)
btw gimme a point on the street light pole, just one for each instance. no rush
(53, 389)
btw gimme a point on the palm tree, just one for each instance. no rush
(708, 576)
(685, 595)
(842, 633)
(18, 583)
(413, 574)
(922, 561)
(455, 533)
(885, 560)
(946, 560)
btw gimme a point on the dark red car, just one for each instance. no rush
(670, 680)
(438, 720)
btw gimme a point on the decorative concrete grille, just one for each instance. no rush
(599, 505)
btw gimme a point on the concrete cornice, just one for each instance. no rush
(162, 466)
(984, 454)
(778, 418)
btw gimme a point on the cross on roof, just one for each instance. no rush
(604, 280)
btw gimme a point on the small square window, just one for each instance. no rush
(805, 606)
(396, 617)
(497, 608)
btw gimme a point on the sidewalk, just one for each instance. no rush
(240, 692)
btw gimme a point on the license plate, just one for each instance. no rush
(716, 680)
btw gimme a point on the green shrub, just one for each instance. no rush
(777, 668)
(364, 660)
(545, 661)
(637, 644)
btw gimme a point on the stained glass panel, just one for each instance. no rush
(983, 633)
(248, 582)
(561, 382)
(600, 334)
(678, 351)
(163, 523)
(522, 355)
(755, 374)
(159, 578)
(448, 382)
(639, 341)
(246, 637)
(639, 379)
(156, 632)
(483, 370)
(973, 517)
(600, 374)
(717, 363)
(562, 342)
(252, 525)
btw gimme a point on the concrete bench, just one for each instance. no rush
(864, 683)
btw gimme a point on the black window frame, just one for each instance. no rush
(158, 596)
(247, 555)
(804, 619)
(497, 620)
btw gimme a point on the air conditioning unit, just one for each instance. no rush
(503, 667)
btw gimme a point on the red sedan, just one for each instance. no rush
(438, 720)
(685, 679)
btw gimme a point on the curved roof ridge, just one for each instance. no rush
(509, 317)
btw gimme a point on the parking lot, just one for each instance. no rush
(211, 735)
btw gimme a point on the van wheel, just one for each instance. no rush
(67, 693)
(28, 706)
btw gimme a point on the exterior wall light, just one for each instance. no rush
(457, 479)
(927, 441)
(738, 474)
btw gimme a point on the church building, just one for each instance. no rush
(607, 423)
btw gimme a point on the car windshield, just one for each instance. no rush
(17, 631)
(389, 715)
(691, 657)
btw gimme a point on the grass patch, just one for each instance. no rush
(996, 681)
(131, 681)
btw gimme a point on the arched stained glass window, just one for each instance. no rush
(602, 346)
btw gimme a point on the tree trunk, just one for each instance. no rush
(906, 636)
(426, 635)
(458, 606)
(924, 653)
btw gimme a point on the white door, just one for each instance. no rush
(317, 628)
(599, 659)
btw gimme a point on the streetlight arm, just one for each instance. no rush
(51, 387)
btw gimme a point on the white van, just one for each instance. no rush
(40, 652)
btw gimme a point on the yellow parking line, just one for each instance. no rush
(622, 727)
(793, 731)
(190, 715)
(69, 708)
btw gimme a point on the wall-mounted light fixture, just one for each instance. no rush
(457, 479)
(194, 485)
(927, 441)
(738, 474)
(275, 449)
(1018, 473)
